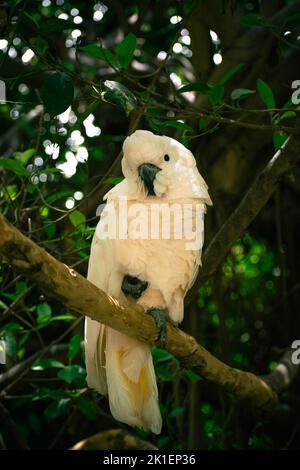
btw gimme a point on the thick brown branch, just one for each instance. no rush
(79, 295)
(253, 201)
(114, 439)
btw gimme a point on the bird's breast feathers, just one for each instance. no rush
(158, 241)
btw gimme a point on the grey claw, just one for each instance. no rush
(159, 316)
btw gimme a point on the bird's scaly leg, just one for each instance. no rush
(159, 316)
(134, 287)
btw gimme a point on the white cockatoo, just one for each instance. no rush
(147, 249)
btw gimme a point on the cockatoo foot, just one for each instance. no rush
(159, 316)
(133, 286)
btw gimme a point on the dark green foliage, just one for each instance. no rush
(118, 68)
(57, 93)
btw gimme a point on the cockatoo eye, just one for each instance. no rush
(166, 158)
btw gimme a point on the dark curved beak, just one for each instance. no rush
(147, 172)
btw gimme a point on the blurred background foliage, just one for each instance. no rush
(80, 76)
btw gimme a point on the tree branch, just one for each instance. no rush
(114, 439)
(23, 367)
(251, 204)
(285, 372)
(79, 295)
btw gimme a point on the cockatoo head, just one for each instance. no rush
(162, 167)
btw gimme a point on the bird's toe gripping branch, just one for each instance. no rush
(133, 286)
(159, 316)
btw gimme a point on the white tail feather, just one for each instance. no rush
(130, 377)
(94, 342)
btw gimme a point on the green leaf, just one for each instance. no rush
(31, 18)
(278, 139)
(39, 45)
(230, 73)
(287, 104)
(241, 93)
(42, 364)
(125, 50)
(44, 211)
(74, 346)
(14, 165)
(44, 313)
(56, 409)
(154, 124)
(114, 180)
(58, 195)
(287, 114)
(96, 153)
(203, 123)
(87, 407)
(266, 93)
(177, 125)
(74, 373)
(25, 156)
(21, 286)
(9, 295)
(53, 393)
(62, 318)
(45, 392)
(55, 25)
(50, 230)
(10, 344)
(12, 326)
(164, 374)
(216, 93)
(206, 408)
(100, 53)
(24, 338)
(57, 93)
(3, 305)
(161, 355)
(119, 95)
(176, 412)
(251, 19)
(197, 86)
(191, 375)
(77, 218)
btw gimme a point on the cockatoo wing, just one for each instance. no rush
(98, 274)
(191, 262)
(202, 189)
